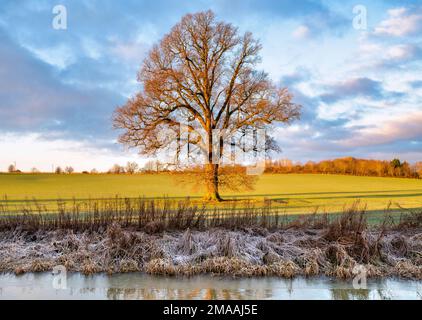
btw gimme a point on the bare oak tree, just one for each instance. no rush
(202, 75)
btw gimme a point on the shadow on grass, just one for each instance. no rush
(230, 197)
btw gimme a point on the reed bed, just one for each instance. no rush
(151, 215)
(170, 237)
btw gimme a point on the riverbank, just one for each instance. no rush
(333, 249)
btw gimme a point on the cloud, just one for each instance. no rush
(280, 8)
(402, 52)
(416, 84)
(298, 76)
(318, 139)
(302, 32)
(316, 15)
(129, 51)
(64, 86)
(384, 55)
(399, 56)
(46, 153)
(34, 97)
(406, 127)
(363, 87)
(60, 56)
(401, 22)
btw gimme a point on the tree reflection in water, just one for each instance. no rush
(350, 294)
(174, 294)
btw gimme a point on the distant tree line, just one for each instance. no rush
(349, 166)
(152, 166)
(130, 168)
(346, 166)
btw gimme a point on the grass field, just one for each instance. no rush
(293, 193)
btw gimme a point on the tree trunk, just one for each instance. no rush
(212, 183)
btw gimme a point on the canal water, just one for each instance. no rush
(142, 286)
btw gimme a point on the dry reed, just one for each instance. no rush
(181, 238)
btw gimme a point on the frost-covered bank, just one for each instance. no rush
(332, 250)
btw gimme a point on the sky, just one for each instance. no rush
(359, 80)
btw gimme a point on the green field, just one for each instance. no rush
(293, 193)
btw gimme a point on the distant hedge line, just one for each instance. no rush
(351, 166)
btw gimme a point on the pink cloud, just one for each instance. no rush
(406, 127)
(400, 23)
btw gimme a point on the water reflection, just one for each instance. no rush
(350, 294)
(141, 286)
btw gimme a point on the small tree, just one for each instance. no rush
(69, 170)
(11, 168)
(149, 166)
(94, 171)
(418, 168)
(58, 170)
(395, 163)
(117, 169)
(132, 167)
(153, 166)
(34, 170)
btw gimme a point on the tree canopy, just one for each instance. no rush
(202, 76)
